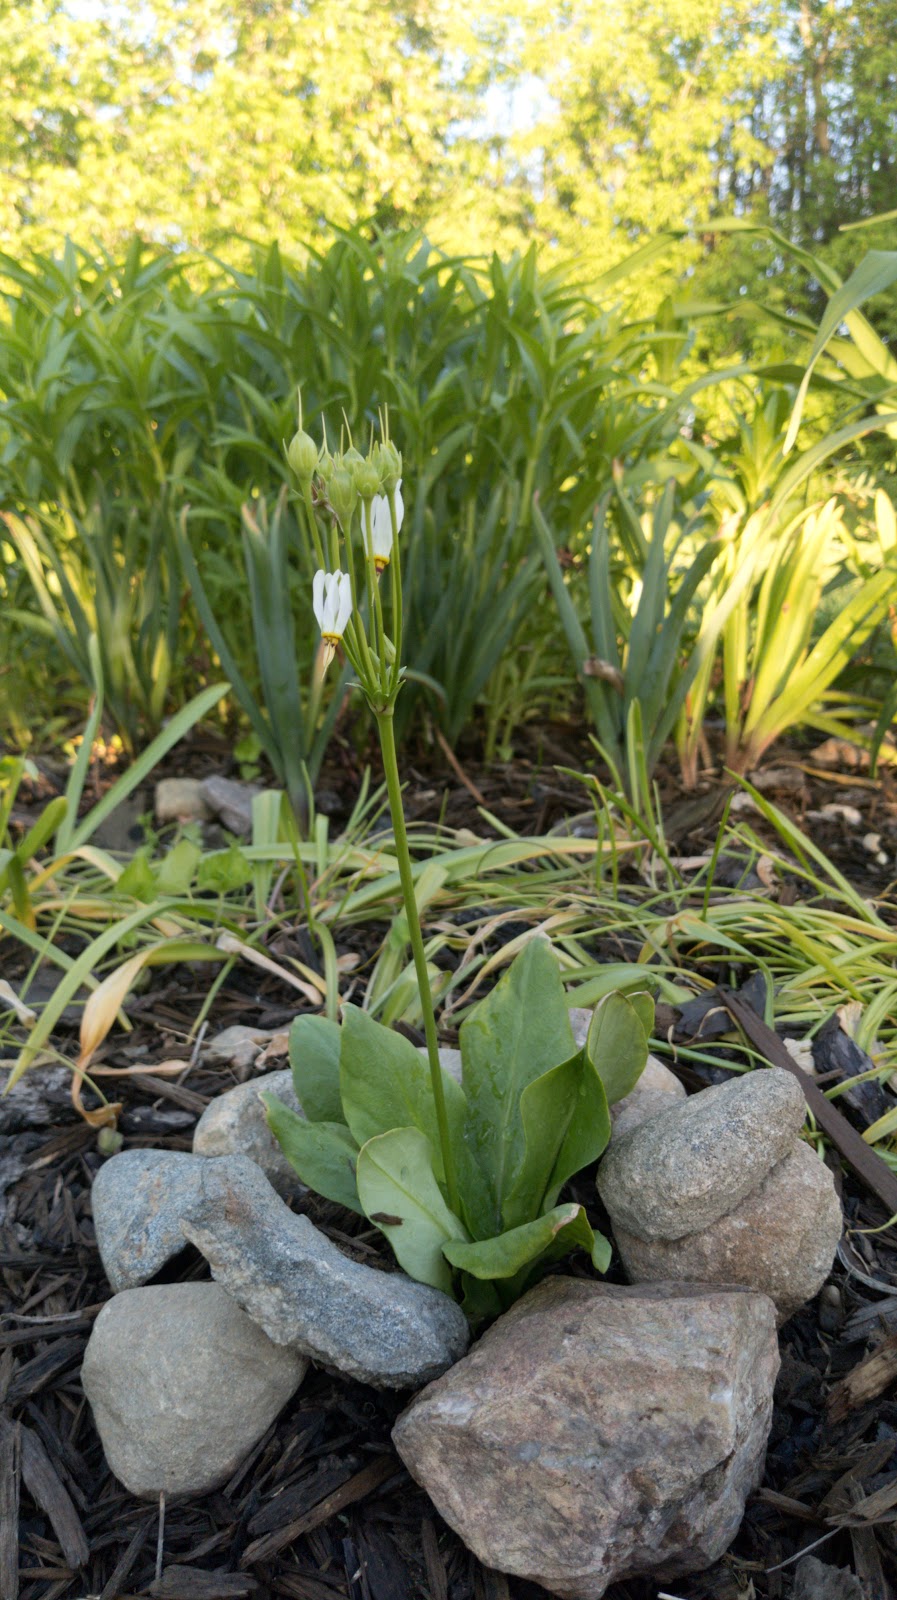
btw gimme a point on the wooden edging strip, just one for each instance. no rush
(866, 1163)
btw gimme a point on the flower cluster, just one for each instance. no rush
(353, 511)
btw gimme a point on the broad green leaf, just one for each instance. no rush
(138, 878)
(323, 1153)
(617, 1044)
(399, 1193)
(223, 871)
(175, 872)
(547, 1106)
(385, 1084)
(587, 1134)
(520, 1031)
(643, 1005)
(314, 1058)
(508, 1253)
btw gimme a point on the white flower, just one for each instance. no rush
(381, 526)
(332, 602)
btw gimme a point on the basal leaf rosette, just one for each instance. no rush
(530, 1112)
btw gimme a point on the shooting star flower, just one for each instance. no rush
(332, 602)
(381, 526)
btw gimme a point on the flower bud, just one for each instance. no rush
(390, 464)
(302, 455)
(325, 465)
(343, 495)
(367, 480)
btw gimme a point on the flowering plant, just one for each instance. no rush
(464, 1178)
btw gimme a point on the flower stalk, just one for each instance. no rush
(386, 730)
(364, 493)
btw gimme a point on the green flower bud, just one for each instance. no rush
(390, 464)
(367, 480)
(343, 495)
(325, 465)
(302, 455)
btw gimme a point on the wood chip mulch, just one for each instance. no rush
(322, 1509)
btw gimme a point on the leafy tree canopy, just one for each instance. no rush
(203, 123)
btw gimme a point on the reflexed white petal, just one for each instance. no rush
(400, 506)
(381, 528)
(331, 601)
(345, 602)
(317, 596)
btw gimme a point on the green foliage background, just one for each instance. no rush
(206, 123)
(419, 206)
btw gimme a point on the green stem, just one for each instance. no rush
(394, 790)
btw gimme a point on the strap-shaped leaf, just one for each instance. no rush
(875, 273)
(399, 1193)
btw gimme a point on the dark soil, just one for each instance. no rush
(323, 1508)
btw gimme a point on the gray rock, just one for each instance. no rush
(598, 1433)
(580, 1020)
(780, 1239)
(137, 1200)
(180, 800)
(379, 1327)
(182, 1385)
(231, 802)
(678, 1173)
(237, 1047)
(121, 829)
(658, 1089)
(234, 1124)
(449, 1060)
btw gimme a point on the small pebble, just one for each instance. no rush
(831, 1308)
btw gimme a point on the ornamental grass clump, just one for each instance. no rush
(463, 1178)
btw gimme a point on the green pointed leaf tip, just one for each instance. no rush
(399, 1193)
(324, 1154)
(314, 1058)
(543, 1240)
(617, 1043)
